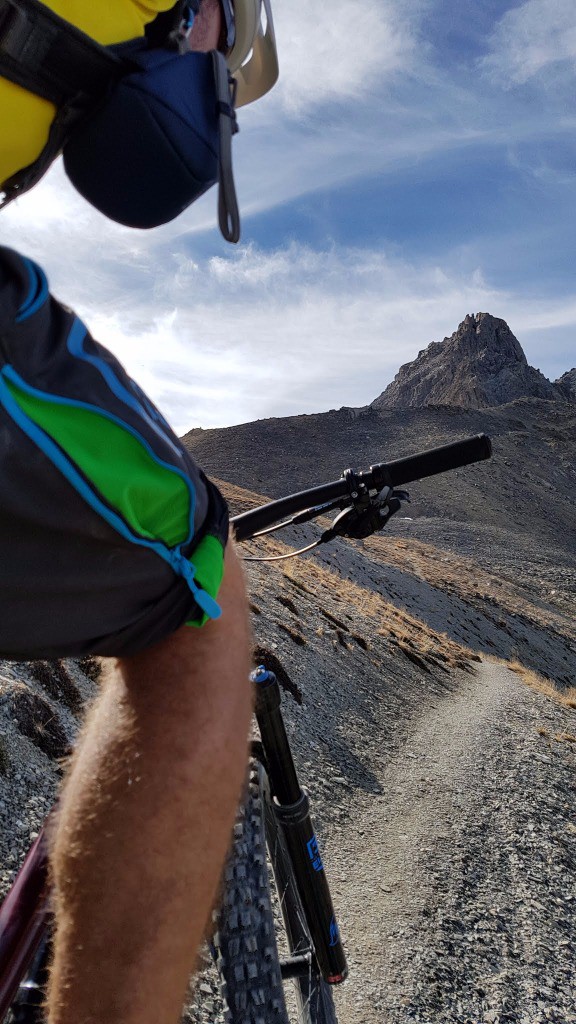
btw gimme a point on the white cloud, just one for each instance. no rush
(336, 51)
(537, 36)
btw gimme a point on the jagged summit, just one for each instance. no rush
(567, 384)
(481, 365)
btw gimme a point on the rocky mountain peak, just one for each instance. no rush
(567, 384)
(488, 339)
(481, 365)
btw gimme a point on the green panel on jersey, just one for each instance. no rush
(153, 499)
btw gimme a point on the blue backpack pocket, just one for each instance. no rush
(152, 147)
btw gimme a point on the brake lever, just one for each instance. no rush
(361, 522)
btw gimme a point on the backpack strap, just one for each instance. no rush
(50, 57)
(228, 215)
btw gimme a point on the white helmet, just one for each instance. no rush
(253, 60)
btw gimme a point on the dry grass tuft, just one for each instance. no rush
(39, 722)
(418, 642)
(542, 684)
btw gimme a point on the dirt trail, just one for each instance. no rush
(437, 890)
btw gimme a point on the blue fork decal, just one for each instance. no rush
(314, 854)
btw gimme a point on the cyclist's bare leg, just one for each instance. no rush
(145, 822)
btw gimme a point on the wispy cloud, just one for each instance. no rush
(534, 38)
(336, 52)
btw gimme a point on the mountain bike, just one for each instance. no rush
(274, 827)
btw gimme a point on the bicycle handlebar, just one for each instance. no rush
(391, 474)
(435, 460)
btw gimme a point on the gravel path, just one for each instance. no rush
(455, 886)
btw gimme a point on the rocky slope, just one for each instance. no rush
(442, 782)
(481, 365)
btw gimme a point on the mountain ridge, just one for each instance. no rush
(481, 365)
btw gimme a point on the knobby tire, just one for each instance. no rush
(245, 942)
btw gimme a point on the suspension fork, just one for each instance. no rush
(291, 808)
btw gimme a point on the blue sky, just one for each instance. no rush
(415, 163)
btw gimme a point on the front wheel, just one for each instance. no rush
(250, 966)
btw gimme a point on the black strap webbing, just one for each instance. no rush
(50, 57)
(228, 215)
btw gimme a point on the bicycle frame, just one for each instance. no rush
(23, 919)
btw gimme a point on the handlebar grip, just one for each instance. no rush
(436, 460)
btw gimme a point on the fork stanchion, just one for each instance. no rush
(291, 807)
